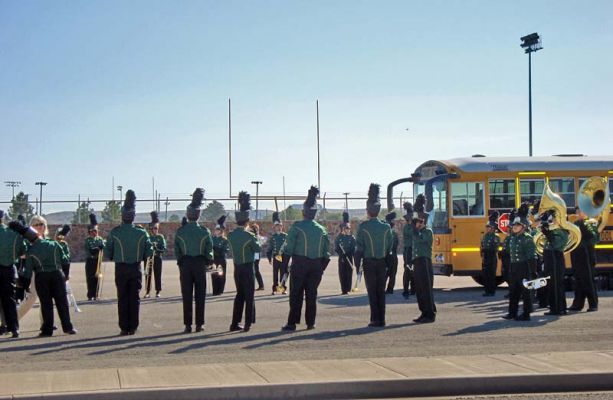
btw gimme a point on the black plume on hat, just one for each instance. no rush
(420, 203)
(155, 218)
(221, 222)
(408, 207)
(373, 204)
(244, 205)
(25, 231)
(493, 219)
(64, 230)
(184, 221)
(275, 218)
(128, 210)
(521, 216)
(93, 220)
(345, 217)
(309, 208)
(390, 217)
(193, 209)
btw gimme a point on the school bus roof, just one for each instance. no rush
(518, 164)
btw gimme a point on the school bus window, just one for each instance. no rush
(565, 187)
(438, 218)
(467, 198)
(502, 193)
(531, 190)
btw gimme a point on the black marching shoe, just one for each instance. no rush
(592, 309)
(246, 328)
(124, 333)
(236, 328)
(427, 320)
(310, 327)
(188, 329)
(199, 328)
(523, 317)
(3, 330)
(45, 334)
(289, 328)
(15, 334)
(419, 319)
(574, 309)
(509, 316)
(72, 331)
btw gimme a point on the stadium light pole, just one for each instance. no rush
(530, 43)
(40, 199)
(257, 187)
(346, 201)
(13, 185)
(120, 188)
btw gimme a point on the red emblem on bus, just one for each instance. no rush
(503, 223)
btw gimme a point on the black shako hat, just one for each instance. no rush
(521, 216)
(419, 208)
(93, 223)
(244, 205)
(493, 220)
(275, 218)
(193, 209)
(155, 219)
(26, 231)
(63, 231)
(390, 217)
(408, 209)
(309, 208)
(345, 223)
(128, 210)
(184, 221)
(221, 223)
(373, 204)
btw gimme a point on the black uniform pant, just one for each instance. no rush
(304, 280)
(129, 282)
(555, 267)
(391, 272)
(345, 274)
(66, 271)
(258, 275)
(219, 281)
(424, 283)
(157, 273)
(8, 274)
(277, 273)
(583, 272)
(51, 287)
(244, 280)
(375, 274)
(489, 271)
(192, 273)
(542, 293)
(517, 273)
(408, 276)
(91, 264)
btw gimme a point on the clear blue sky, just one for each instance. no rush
(95, 89)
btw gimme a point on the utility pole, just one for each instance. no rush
(13, 185)
(257, 188)
(346, 201)
(40, 207)
(166, 203)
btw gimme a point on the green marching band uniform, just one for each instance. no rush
(60, 237)
(94, 244)
(344, 245)
(158, 242)
(194, 251)
(408, 277)
(583, 261)
(273, 252)
(220, 249)
(373, 248)
(244, 246)
(555, 266)
(392, 267)
(422, 262)
(307, 246)
(489, 249)
(128, 245)
(12, 247)
(522, 264)
(45, 258)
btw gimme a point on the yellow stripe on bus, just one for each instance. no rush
(465, 249)
(532, 173)
(604, 246)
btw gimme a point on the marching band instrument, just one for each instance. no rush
(148, 274)
(281, 288)
(71, 299)
(553, 203)
(100, 267)
(30, 298)
(358, 279)
(535, 283)
(594, 200)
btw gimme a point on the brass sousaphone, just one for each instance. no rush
(595, 201)
(551, 202)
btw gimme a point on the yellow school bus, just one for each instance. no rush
(462, 192)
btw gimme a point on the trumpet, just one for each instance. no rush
(535, 283)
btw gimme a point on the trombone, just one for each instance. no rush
(100, 268)
(281, 287)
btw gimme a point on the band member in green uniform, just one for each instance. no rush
(373, 246)
(220, 249)
(94, 244)
(489, 249)
(522, 253)
(392, 267)
(12, 247)
(45, 257)
(60, 237)
(408, 277)
(555, 266)
(244, 245)
(583, 264)
(422, 261)
(159, 248)
(307, 246)
(344, 245)
(128, 245)
(194, 251)
(273, 252)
